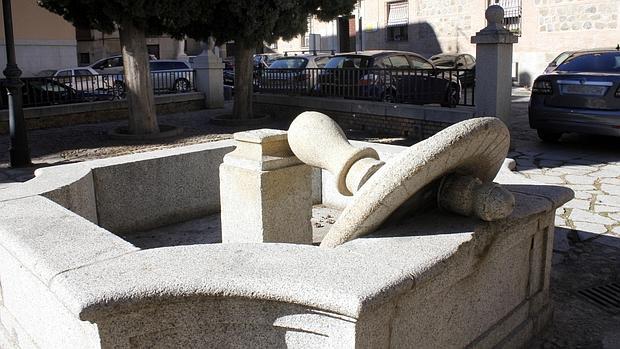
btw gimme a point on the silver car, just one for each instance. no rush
(581, 95)
(171, 75)
(166, 75)
(298, 73)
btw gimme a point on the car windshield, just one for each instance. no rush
(347, 62)
(600, 62)
(289, 63)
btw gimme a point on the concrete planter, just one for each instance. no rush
(440, 280)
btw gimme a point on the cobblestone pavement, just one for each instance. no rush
(587, 236)
(587, 243)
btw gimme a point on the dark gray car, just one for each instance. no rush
(581, 95)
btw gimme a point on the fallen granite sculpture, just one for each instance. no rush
(454, 168)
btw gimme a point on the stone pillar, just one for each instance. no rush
(265, 191)
(179, 50)
(210, 77)
(494, 67)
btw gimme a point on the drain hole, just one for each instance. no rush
(606, 297)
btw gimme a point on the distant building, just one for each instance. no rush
(94, 45)
(546, 28)
(43, 40)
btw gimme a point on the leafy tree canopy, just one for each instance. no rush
(152, 16)
(251, 22)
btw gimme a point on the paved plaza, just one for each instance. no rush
(587, 243)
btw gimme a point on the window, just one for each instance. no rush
(289, 63)
(83, 72)
(84, 58)
(321, 61)
(512, 14)
(160, 66)
(398, 21)
(420, 63)
(153, 50)
(347, 62)
(63, 73)
(399, 62)
(603, 62)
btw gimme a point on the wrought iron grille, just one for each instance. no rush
(513, 12)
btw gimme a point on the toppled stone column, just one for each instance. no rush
(266, 192)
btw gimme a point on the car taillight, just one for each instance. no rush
(369, 79)
(542, 87)
(618, 92)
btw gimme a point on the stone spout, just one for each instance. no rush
(318, 141)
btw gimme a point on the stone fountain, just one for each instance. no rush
(436, 245)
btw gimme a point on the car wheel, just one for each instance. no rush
(181, 85)
(548, 135)
(452, 97)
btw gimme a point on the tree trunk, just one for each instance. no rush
(242, 108)
(137, 80)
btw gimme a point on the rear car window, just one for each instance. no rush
(289, 63)
(348, 62)
(600, 62)
(159, 66)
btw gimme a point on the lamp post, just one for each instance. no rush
(18, 149)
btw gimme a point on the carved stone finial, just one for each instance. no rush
(318, 141)
(494, 15)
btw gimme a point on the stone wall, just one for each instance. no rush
(403, 120)
(85, 113)
(571, 15)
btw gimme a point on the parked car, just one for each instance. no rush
(457, 62)
(298, 73)
(44, 91)
(172, 75)
(112, 65)
(557, 61)
(582, 94)
(166, 75)
(264, 60)
(391, 76)
(82, 79)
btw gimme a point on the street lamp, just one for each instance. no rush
(18, 148)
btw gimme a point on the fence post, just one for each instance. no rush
(209, 77)
(494, 67)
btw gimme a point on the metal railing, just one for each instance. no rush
(447, 87)
(54, 90)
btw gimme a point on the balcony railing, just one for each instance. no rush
(53, 90)
(447, 87)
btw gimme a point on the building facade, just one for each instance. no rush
(94, 45)
(43, 40)
(545, 28)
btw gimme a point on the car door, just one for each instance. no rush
(84, 80)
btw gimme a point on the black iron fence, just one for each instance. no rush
(447, 87)
(53, 90)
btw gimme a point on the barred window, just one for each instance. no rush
(513, 10)
(398, 21)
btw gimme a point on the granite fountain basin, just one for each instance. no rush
(70, 278)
